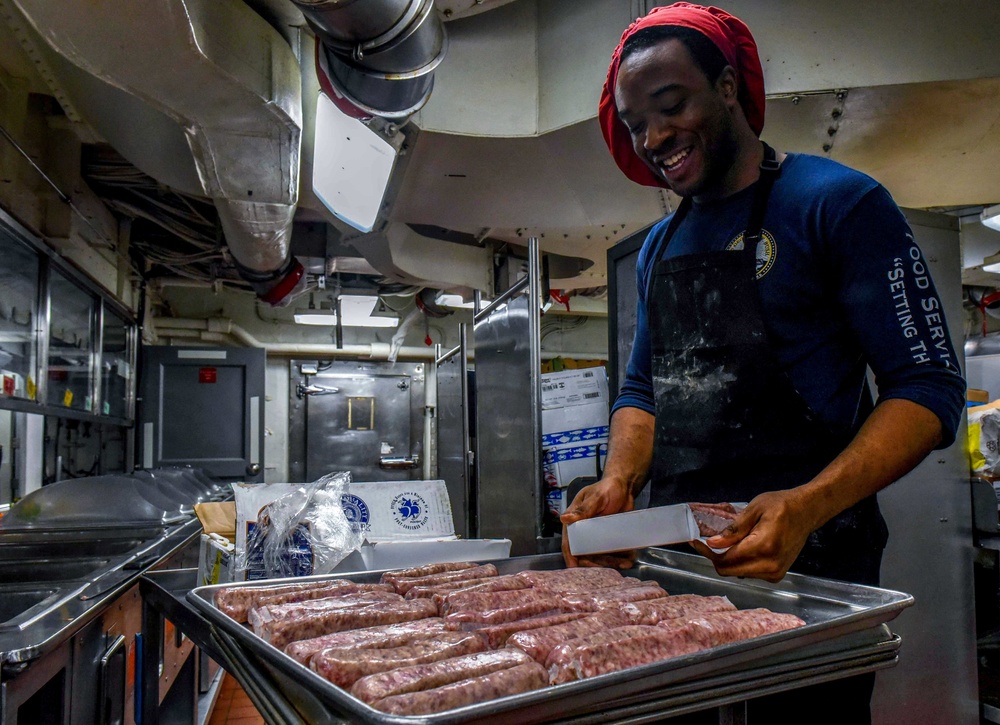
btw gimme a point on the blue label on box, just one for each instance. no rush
(572, 436)
(298, 555)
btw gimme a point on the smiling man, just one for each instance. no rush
(762, 301)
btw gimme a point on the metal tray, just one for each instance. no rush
(841, 619)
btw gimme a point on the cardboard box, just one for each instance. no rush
(562, 464)
(574, 427)
(216, 560)
(974, 395)
(574, 387)
(410, 523)
(406, 523)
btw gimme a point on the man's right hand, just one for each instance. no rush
(607, 496)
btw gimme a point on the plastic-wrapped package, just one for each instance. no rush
(294, 529)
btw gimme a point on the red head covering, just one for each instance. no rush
(729, 34)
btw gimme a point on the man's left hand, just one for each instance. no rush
(765, 538)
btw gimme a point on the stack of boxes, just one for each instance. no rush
(574, 429)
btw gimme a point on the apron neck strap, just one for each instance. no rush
(770, 169)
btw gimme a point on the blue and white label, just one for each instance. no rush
(572, 436)
(409, 510)
(356, 511)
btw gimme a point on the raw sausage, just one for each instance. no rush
(291, 610)
(387, 635)
(237, 601)
(582, 602)
(726, 627)
(339, 589)
(539, 642)
(489, 584)
(463, 601)
(435, 674)
(428, 570)
(621, 648)
(496, 636)
(571, 579)
(404, 584)
(680, 605)
(344, 667)
(512, 681)
(469, 620)
(280, 632)
(713, 519)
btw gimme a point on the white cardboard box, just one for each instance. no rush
(406, 523)
(409, 523)
(574, 424)
(574, 387)
(561, 464)
(216, 560)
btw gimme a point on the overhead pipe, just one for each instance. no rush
(376, 57)
(231, 82)
(219, 329)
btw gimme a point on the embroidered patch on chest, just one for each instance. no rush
(767, 250)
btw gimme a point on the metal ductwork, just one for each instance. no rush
(376, 57)
(230, 81)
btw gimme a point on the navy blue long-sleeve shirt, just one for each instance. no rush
(842, 286)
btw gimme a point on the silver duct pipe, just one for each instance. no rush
(376, 57)
(233, 85)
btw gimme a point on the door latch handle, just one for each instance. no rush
(398, 462)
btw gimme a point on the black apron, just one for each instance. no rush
(729, 423)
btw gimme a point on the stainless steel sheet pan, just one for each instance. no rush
(844, 624)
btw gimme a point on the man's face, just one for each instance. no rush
(681, 123)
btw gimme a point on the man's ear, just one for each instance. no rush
(727, 85)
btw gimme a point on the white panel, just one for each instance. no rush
(488, 83)
(351, 166)
(201, 354)
(575, 41)
(254, 429)
(147, 445)
(33, 452)
(276, 421)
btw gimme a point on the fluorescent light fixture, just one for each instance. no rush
(351, 166)
(356, 309)
(990, 216)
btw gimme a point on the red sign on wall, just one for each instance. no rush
(207, 375)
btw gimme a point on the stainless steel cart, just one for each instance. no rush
(845, 635)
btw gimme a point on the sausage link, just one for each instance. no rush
(512, 681)
(280, 632)
(237, 602)
(435, 674)
(463, 601)
(341, 588)
(386, 635)
(428, 570)
(621, 648)
(404, 584)
(291, 610)
(470, 620)
(344, 667)
(560, 580)
(680, 605)
(489, 584)
(539, 642)
(496, 636)
(610, 598)
(727, 627)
